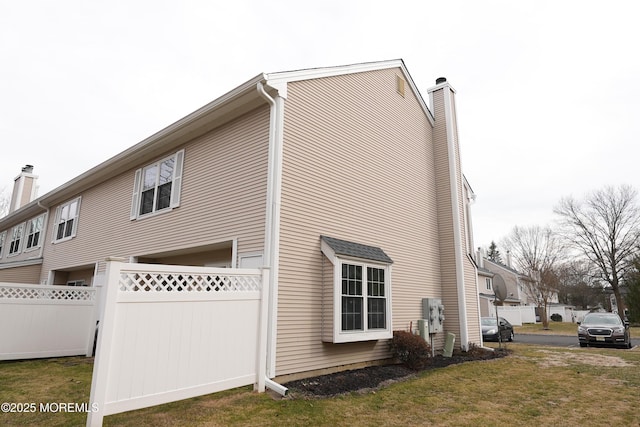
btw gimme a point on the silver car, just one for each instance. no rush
(604, 329)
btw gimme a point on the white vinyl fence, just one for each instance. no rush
(518, 315)
(46, 321)
(174, 332)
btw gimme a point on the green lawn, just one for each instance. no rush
(559, 328)
(532, 386)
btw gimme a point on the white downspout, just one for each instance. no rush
(45, 223)
(455, 207)
(272, 227)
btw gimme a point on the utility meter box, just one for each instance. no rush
(433, 311)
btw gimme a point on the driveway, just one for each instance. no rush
(556, 340)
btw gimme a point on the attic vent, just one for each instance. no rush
(400, 85)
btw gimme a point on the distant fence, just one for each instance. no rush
(46, 321)
(174, 332)
(518, 315)
(521, 314)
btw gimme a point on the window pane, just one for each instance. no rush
(68, 228)
(351, 313)
(64, 215)
(376, 309)
(164, 196)
(73, 210)
(351, 279)
(60, 233)
(146, 201)
(166, 171)
(149, 180)
(375, 282)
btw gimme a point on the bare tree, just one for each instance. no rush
(580, 284)
(5, 200)
(537, 252)
(604, 227)
(632, 298)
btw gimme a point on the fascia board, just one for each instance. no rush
(318, 73)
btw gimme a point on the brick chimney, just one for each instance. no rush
(24, 189)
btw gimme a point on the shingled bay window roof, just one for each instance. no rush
(356, 250)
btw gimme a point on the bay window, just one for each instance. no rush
(360, 292)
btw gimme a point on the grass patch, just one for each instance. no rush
(534, 385)
(555, 328)
(560, 328)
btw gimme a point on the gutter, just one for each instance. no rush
(272, 227)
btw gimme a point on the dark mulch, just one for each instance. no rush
(374, 377)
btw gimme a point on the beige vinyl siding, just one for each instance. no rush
(27, 190)
(223, 197)
(28, 274)
(63, 277)
(469, 269)
(24, 254)
(445, 218)
(213, 256)
(326, 311)
(15, 194)
(471, 296)
(357, 165)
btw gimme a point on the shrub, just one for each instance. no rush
(475, 350)
(556, 317)
(410, 349)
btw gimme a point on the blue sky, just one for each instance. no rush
(548, 93)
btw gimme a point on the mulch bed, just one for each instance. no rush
(374, 377)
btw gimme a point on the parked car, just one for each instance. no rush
(604, 329)
(490, 326)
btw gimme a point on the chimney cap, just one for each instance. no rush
(27, 168)
(441, 80)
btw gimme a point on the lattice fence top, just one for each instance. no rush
(47, 293)
(187, 282)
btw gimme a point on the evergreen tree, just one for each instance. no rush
(494, 253)
(632, 298)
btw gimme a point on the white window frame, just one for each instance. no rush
(19, 238)
(74, 224)
(365, 334)
(3, 242)
(176, 187)
(488, 283)
(30, 246)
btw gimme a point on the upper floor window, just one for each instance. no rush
(66, 222)
(34, 229)
(157, 186)
(3, 238)
(16, 239)
(488, 282)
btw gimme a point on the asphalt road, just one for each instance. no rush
(556, 340)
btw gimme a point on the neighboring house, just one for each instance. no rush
(514, 281)
(343, 180)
